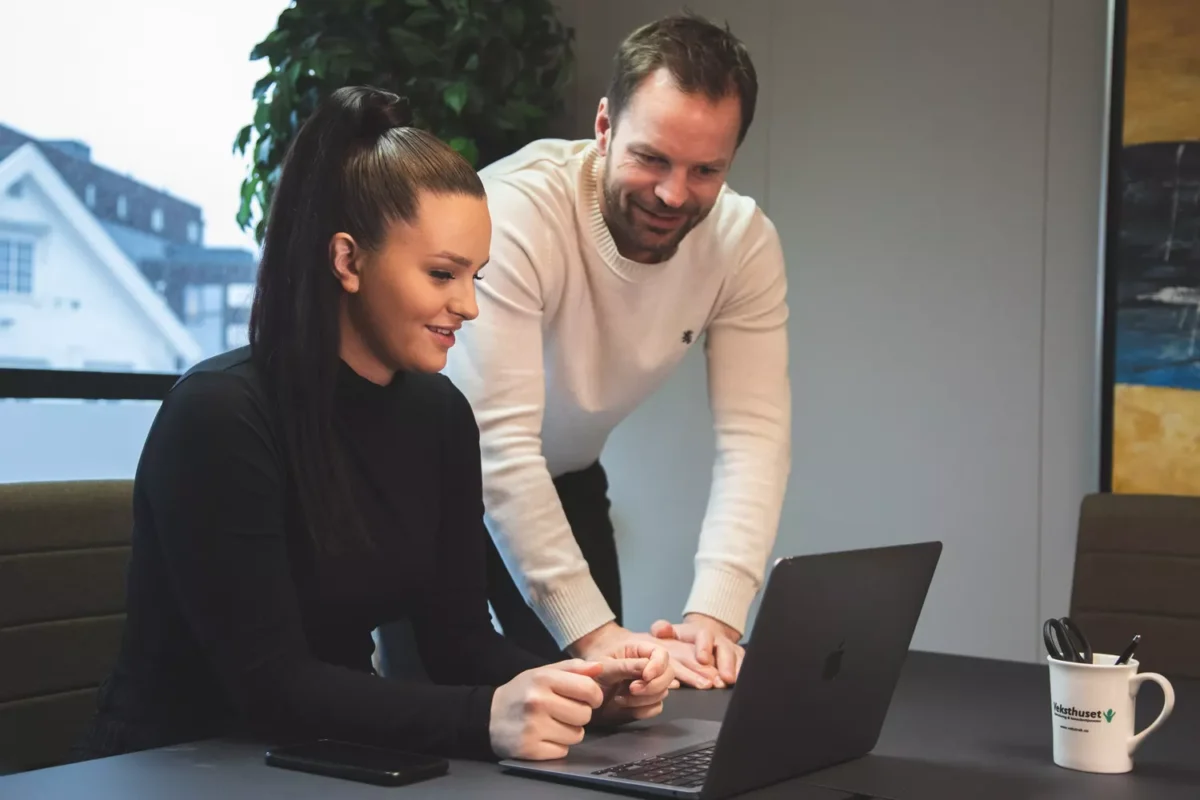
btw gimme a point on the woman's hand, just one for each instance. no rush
(636, 678)
(541, 712)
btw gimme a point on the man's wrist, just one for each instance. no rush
(589, 640)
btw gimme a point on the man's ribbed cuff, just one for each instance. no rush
(723, 595)
(574, 609)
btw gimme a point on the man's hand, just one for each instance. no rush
(713, 641)
(636, 678)
(610, 637)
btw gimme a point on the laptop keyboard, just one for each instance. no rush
(686, 768)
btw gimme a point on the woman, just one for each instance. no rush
(297, 493)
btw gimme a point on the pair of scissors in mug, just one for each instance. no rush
(1066, 642)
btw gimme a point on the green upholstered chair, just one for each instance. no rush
(64, 549)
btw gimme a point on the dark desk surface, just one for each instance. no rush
(957, 728)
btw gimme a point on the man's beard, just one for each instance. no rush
(630, 235)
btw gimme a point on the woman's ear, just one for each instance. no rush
(345, 258)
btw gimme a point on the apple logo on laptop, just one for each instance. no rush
(833, 662)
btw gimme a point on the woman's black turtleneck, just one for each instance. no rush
(238, 625)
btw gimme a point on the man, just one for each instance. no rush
(610, 259)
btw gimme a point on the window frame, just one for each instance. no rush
(73, 384)
(12, 269)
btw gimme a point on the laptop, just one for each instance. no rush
(831, 636)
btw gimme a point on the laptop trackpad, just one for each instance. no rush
(638, 741)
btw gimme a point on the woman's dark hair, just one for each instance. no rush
(353, 168)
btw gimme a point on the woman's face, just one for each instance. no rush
(404, 302)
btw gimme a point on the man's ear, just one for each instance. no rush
(345, 259)
(604, 127)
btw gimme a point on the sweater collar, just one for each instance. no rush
(602, 238)
(352, 385)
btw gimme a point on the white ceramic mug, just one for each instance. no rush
(1091, 708)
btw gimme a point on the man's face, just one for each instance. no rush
(666, 159)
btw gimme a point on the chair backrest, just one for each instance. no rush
(1137, 569)
(64, 550)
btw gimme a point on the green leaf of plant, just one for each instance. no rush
(263, 149)
(423, 16)
(480, 74)
(529, 110)
(262, 115)
(514, 19)
(243, 139)
(456, 96)
(273, 47)
(466, 148)
(413, 46)
(316, 63)
(262, 85)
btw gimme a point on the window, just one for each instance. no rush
(239, 295)
(60, 439)
(236, 336)
(110, 290)
(16, 267)
(204, 315)
(201, 301)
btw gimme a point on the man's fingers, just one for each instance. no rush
(687, 668)
(727, 660)
(662, 629)
(704, 646)
(690, 677)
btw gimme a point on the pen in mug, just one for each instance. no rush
(1125, 656)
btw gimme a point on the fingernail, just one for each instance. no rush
(720, 684)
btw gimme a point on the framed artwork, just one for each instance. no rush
(1151, 339)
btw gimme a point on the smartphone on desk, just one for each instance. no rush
(358, 762)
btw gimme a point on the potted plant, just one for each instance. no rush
(486, 76)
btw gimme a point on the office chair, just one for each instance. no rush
(64, 548)
(1137, 566)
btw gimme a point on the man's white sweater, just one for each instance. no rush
(571, 337)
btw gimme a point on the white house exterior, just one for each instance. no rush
(70, 298)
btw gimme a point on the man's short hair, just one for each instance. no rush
(701, 57)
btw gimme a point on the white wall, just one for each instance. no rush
(935, 168)
(77, 312)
